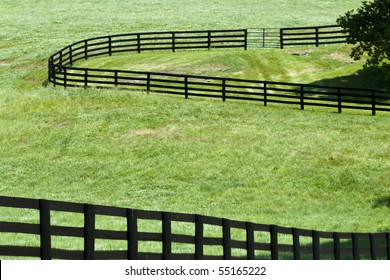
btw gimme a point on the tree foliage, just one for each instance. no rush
(368, 29)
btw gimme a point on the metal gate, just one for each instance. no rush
(263, 38)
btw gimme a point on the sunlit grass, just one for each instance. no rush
(291, 167)
(311, 169)
(328, 65)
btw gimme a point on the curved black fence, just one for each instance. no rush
(313, 35)
(62, 230)
(63, 72)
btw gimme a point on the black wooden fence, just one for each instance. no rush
(317, 35)
(149, 41)
(172, 235)
(62, 72)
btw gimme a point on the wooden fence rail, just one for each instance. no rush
(317, 35)
(172, 235)
(263, 92)
(62, 72)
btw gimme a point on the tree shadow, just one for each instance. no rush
(382, 202)
(45, 83)
(361, 79)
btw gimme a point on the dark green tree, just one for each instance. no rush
(368, 29)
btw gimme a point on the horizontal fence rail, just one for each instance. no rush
(149, 41)
(63, 230)
(62, 72)
(314, 36)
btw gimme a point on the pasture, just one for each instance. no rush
(275, 165)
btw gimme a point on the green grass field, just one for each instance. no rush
(311, 169)
(330, 65)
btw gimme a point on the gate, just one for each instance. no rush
(263, 38)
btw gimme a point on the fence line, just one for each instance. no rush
(174, 235)
(263, 92)
(317, 35)
(62, 72)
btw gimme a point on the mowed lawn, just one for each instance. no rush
(312, 169)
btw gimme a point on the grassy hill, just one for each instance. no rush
(328, 65)
(309, 169)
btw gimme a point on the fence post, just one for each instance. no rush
(89, 232)
(138, 42)
(173, 42)
(61, 59)
(336, 246)
(44, 228)
(265, 93)
(65, 77)
(116, 78)
(199, 237)
(246, 39)
(209, 39)
(373, 103)
(281, 38)
(166, 236)
(223, 89)
(227, 241)
(317, 37)
(274, 242)
(132, 235)
(109, 46)
(339, 105)
(186, 87)
(148, 83)
(85, 78)
(355, 246)
(70, 55)
(302, 97)
(86, 49)
(250, 241)
(296, 244)
(316, 245)
(263, 37)
(373, 247)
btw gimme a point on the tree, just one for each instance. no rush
(369, 30)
